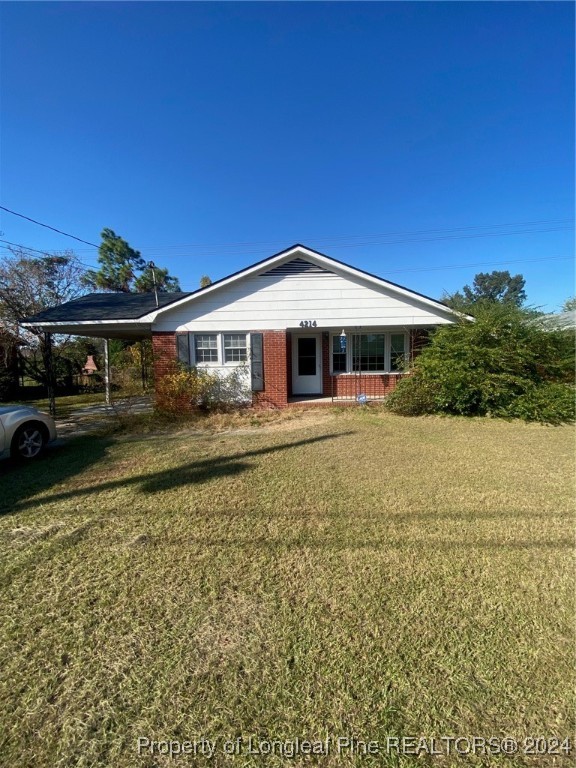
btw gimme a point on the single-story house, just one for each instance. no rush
(299, 323)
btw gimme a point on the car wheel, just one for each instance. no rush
(29, 441)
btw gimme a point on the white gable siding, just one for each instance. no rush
(276, 302)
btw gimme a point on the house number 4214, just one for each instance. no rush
(308, 323)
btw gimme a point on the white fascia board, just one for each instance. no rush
(318, 259)
(114, 323)
(98, 328)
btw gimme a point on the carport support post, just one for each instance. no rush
(49, 365)
(107, 372)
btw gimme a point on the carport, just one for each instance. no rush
(127, 316)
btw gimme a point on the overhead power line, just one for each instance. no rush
(336, 240)
(10, 245)
(412, 240)
(339, 241)
(384, 272)
(455, 237)
(477, 264)
(25, 247)
(455, 266)
(331, 239)
(413, 237)
(47, 226)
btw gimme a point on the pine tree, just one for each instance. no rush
(119, 268)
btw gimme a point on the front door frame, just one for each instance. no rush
(306, 385)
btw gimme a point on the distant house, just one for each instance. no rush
(300, 325)
(561, 320)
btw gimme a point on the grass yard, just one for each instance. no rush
(331, 574)
(67, 404)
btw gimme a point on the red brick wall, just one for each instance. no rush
(275, 394)
(164, 356)
(276, 345)
(164, 353)
(369, 384)
(289, 362)
(278, 368)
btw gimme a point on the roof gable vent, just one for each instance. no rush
(297, 267)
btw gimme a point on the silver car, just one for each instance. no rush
(24, 431)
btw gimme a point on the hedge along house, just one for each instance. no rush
(300, 325)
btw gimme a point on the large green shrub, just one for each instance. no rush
(504, 363)
(550, 402)
(413, 397)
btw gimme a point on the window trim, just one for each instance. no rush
(406, 351)
(334, 336)
(219, 363)
(387, 352)
(246, 347)
(192, 342)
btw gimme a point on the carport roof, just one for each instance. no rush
(100, 307)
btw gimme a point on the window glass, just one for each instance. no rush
(397, 351)
(234, 347)
(206, 347)
(306, 357)
(338, 355)
(368, 352)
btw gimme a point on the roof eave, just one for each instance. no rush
(120, 329)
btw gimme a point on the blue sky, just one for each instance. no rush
(424, 142)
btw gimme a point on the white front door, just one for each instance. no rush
(306, 364)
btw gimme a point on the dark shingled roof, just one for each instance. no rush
(106, 306)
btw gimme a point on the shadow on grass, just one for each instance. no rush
(20, 481)
(29, 481)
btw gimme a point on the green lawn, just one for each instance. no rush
(67, 404)
(337, 573)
